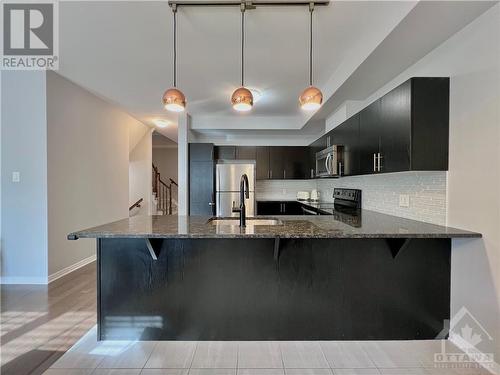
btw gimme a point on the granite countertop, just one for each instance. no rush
(369, 225)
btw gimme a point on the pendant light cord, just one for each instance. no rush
(242, 44)
(311, 9)
(174, 10)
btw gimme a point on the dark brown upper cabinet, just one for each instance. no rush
(246, 153)
(347, 135)
(407, 129)
(295, 162)
(262, 162)
(225, 152)
(370, 136)
(272, 162)
(276, 163)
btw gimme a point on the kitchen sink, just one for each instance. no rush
(249, 222)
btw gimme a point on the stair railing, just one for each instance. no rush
(136, 204)
(163, 192)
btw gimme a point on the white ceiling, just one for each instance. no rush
(122, 52)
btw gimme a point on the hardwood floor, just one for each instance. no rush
(39, 323)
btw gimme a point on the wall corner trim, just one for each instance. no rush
(69, 269)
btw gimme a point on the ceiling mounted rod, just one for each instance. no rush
(250, 4)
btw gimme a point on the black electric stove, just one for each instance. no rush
(345, 208)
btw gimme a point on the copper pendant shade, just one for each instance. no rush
(242, 99)
(312, 97)
(173, 99)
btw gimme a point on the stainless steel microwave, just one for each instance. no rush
(329, 162)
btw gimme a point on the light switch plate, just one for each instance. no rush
(404, 200)
(16, 177)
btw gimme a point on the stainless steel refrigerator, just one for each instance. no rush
(227, 187)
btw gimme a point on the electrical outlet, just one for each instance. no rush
(404, 200)
(16, 177)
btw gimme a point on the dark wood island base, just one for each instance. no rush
(268, 289)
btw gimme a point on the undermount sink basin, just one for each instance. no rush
(249, 222)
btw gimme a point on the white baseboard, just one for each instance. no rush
(23, 280)
(494, 368)
(69, 269)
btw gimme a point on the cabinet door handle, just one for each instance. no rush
(379, 164)
(284, 174)
(312, 173)
(270, 173)
(374, 162)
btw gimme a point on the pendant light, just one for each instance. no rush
(311, 98)
(173, 99)
(242, 98)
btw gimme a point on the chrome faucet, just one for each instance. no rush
(244, 193)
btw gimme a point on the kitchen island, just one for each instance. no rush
(280, 278)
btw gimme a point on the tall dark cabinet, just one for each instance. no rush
(201, 179)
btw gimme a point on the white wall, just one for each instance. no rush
(24, 204)
(471, 58)
(88, 152)
(342, 113)
(183, 138)
(140, 174)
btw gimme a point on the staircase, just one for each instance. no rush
(162, 194)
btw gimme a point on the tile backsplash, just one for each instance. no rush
(426, 190)
(282, 189)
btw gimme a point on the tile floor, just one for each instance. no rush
(89, 357)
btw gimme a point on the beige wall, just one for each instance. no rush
(88, 162)
(165, 158)
(140, 169)
(471, 58)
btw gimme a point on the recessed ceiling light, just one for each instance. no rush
(161, 123)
